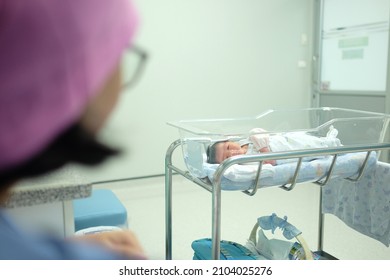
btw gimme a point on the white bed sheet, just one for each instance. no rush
(241, 177)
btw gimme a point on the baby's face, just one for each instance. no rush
(226, 150)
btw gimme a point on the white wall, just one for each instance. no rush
(208, 59)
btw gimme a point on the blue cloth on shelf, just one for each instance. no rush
(273, 222)
(363, 205)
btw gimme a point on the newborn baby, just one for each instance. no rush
(260, 142)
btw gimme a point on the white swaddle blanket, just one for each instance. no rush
(363, 205)
(291, 141)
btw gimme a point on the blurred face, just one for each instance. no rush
(227, 149)
(101, 106)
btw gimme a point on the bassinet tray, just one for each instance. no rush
(242, 177)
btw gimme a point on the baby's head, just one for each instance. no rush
(221, 150)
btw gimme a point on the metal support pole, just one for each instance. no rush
(216, 221)
(321, 221)
(168, 199)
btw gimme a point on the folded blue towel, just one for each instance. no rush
(363, 205)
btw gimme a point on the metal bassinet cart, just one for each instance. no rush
(361, 132)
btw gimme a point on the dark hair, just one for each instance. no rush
(211, 153)
(74, 145)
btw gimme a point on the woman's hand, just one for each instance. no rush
(123, 242)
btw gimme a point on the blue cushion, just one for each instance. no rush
(102, 208)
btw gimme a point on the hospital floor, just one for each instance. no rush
(144, 200)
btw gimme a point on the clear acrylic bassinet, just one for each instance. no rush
(355, 128)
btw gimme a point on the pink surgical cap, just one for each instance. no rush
(54, 56)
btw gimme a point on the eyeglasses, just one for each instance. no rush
(133, 64)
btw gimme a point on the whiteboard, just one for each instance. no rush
(341, 13)
(355, 45)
